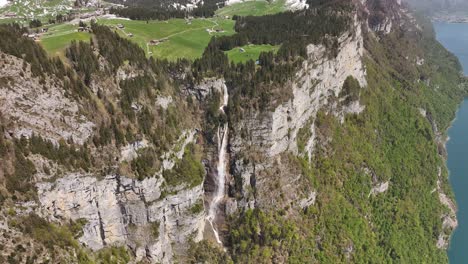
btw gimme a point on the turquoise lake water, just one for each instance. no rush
(455, 38)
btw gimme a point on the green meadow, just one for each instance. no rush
(253, 8)
(59, 37)
(184, 40)
(249, 52)
(181, 39)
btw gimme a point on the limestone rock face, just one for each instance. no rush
(449, 219)
(39, 108)
(272, 135)
(203, 89)
(379, 188)
(124, 211)
(319, 79)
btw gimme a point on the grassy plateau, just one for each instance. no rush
(249, 52)
(177, 38)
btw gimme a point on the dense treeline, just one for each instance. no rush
(160, 10)
(142, 13)
(257, 236)
(158, 13)
(304, 27)
(131, 91)
(82, 56)
(13, 42)
(115, 49)
(261, 82)
(292, 30)
(66, 154)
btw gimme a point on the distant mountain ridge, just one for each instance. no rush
(436, 6)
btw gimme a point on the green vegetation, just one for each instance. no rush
(59, 37)
(253, 8)
(188, 170)
(155, 228)
(55, 45)
(35, 23)
(207, 252)
(112, 255)
(48, 234)
(249, 52)
(256, 235)
(395, 143)
(179, 39)
(350, 90)
(197, 207)
(184, 40)
(21, 179)
(64, 153)
(82, 57)
(54, 237)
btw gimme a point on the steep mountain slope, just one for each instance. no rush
(335, 145)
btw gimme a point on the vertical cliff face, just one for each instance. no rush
(266, 139)
(123, 212)
(154, 220)
(115, 206)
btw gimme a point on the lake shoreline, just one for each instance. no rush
(453, 35)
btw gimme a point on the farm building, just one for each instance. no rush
(155, 42)
(10, 14)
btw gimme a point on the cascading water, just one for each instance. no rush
(221, 176)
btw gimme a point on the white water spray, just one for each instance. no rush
(221, 177)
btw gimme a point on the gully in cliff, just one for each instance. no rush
(221, 170)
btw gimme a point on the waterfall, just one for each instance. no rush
(221, 175)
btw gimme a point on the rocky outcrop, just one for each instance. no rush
(379, 188)
(156, 221)
(123, 211)
(449, 219)
(130, 152)
(164, 101)
(205, 87)
(39, 107)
